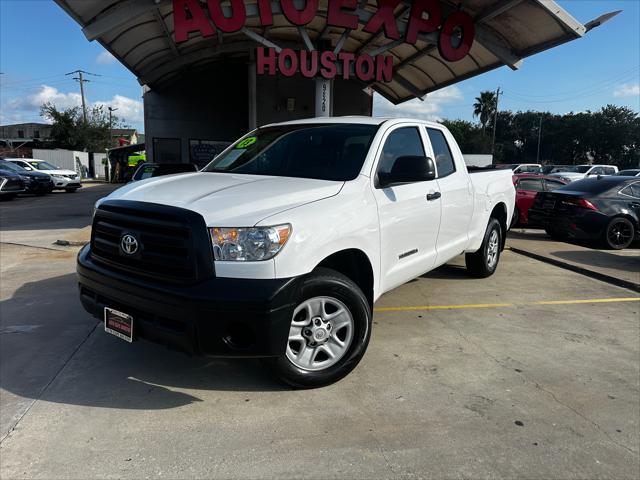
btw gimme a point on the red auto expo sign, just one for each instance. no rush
(456, 34)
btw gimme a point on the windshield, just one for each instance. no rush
(44, 166)
(577, 169)
(323, 152)
(11, 167)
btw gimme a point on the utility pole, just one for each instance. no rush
(539, 135)
(111, 110)
(81, 80)
(495, 121)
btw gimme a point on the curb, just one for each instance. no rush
(574, 268)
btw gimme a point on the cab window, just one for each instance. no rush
(444, 159)
(530, 184)
(402, 142)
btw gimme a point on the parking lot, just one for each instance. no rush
(531, 373)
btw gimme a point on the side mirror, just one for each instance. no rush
(408, 169)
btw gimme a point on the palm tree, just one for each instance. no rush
(485, 107)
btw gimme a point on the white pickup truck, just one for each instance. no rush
(281, 245)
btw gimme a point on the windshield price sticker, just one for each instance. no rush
(247, 142)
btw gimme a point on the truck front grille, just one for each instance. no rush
(172, 243)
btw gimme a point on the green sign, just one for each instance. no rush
(247, 142)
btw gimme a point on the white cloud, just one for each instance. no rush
(46, 94)
(129, 110)
(429, 109)
(627, 90)
(105, 58)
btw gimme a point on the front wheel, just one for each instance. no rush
(619, 233)
(483, 263)
(329, 332)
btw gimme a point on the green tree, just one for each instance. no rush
(69, 130)
(485, 107)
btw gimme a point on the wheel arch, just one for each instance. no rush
(499, 212)
(356, 265)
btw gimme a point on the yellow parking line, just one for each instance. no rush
(593, 300)
(502, 305)
(443, 307)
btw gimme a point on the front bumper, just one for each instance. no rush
(217, 317)
(38, 187)
(64, 182)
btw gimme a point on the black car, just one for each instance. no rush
(10, 184)
(602, 208)
(34, 182)
(149, 170)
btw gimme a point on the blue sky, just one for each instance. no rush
(39, 43)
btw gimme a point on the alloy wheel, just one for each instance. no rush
(321, 333)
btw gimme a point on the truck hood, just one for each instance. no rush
(228, 200)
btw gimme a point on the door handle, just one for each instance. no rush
(433, 196)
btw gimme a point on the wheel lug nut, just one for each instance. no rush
(307, 332)
(329, 326)
(317, 322)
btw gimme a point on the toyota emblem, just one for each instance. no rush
(129, 244)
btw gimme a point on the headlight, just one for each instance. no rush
(248, 244)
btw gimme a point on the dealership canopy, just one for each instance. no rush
(402, 49)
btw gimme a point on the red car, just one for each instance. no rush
(527, 187)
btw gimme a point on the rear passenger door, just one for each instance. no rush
(408, 221)
(456, 197)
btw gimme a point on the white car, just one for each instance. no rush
(281, 245)
(62, 179)
(578, 172)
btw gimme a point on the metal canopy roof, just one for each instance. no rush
(140, 33)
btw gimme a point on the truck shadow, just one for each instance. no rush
(51, 349)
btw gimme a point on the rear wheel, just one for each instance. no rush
(329, 332)
(619, 233)
(483, 263)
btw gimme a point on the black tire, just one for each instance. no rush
(515, 219)
(71, 190)
(324, 282)
(484, 262)
(7, 197)
(41, 193)
(619, 233)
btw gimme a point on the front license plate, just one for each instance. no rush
(118, 324)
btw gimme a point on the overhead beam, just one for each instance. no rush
(496, 10)
(167, 34)
(121, 14)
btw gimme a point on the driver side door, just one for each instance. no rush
(409, 222)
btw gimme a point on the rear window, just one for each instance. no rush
(592, 185)
(533, 184)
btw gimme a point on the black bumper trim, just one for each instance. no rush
(217, 316)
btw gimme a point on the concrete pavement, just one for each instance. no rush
(621, 267)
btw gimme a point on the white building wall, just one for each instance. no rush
(67, 159)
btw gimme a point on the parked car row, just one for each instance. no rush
(603, 209)
(26, 175)
(568, 172)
